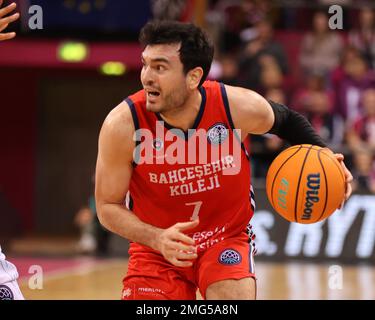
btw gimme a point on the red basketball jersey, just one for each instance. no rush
(210, 178)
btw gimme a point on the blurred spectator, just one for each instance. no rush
(349, 82)
(227, 20)
(168, 9)
(316, 102)
(314, 82)
(84, 221)
(227, 70)
(264, 60)
(328, 125)
(364, 171)
(94, 238)
(271, 76)
(320, 49)
(363, 38)
(361, 140)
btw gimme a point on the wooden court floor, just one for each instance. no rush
(90, 278)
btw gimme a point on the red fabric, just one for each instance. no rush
(225, 208)
(151, 277)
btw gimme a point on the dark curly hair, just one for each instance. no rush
(196, 49)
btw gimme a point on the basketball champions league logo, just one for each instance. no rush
(211, 147)
(6, 293)
(217, 133)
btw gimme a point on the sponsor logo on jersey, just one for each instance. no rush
(6, 293)
(150, 290)
(230, 257)
(312, 194)
(217, 133)
(126, 293)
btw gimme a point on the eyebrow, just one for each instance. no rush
(159, 59)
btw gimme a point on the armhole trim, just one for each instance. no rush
(229, 117)
(136, 127)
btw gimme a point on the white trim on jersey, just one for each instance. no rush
(8, 271)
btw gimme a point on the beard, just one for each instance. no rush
(171, 101)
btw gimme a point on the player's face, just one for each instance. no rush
(163, 78)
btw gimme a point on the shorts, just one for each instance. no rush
(10, 291)
(151, 277)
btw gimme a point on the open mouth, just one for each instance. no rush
(153, 93)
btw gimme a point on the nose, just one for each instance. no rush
(146, 76)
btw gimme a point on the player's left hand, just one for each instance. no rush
(4, 21)
(348, 177)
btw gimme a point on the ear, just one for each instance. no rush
(193, 78)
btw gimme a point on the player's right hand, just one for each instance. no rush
(177, 247)
(4, 21)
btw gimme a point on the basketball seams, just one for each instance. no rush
(325, 179)
(334, 160)
(281, 166)
(299, 182)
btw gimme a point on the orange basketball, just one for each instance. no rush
(305, 183)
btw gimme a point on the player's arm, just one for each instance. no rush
(113, 174)
(5, 20)
(255, 115)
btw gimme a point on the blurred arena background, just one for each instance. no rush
(58, 83)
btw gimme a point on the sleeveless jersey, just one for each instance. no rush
(215, 188)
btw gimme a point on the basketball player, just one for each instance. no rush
(188, 224)
(9, 289)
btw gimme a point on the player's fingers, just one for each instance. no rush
(183, 264)
(348, 191)
(182, 226)
(181, 246)
(4, 11)
(172, 254)
(3, 26)
(341, 205)
(183, 238)
(339, 156)
(348, 175)
(9, 19)
(7, 36)
(185, 256)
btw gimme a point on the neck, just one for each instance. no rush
(184, 116)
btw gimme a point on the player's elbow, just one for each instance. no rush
(101, 213)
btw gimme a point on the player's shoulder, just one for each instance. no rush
(249, 110)
(239, 96)
(119, 123)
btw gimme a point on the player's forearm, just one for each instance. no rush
(293, 127)
(119, 220)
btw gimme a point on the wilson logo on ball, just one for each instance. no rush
(312, 194)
